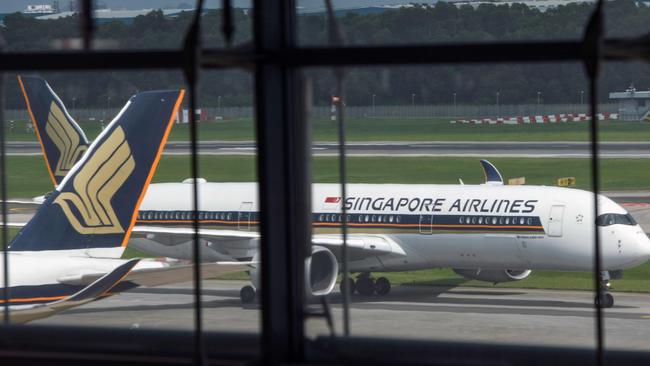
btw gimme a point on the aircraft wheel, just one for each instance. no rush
(606, 301)
(350, 283)
(382, 286)
(365, 285)
(247, 294)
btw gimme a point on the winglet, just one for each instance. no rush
(96, 204)
(492, 175)
(62, 140)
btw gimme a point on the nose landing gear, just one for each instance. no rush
(605, 300)
(367, 286)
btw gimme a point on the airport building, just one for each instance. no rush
(107, 15)
(633, 105)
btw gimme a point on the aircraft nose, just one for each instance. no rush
(643, 244)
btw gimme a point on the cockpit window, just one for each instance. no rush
(612, 219)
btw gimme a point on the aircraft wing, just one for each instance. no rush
(184, 273)
(156, 273)
(188, 231)
(94, 291)
(224, 241)
(360, 246)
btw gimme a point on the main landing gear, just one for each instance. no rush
(366, 285)
(605, 300)
(247, 294)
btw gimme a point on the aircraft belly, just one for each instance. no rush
(467, 250)
(552, 253)
(368, 264)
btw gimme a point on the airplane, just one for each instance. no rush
(70, 252)
(489, 232)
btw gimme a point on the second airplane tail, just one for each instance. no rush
(96, 204)
(62, 140)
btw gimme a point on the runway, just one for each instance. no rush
(510, 316)
(407, 149)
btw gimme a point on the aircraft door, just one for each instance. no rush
(555, 220)
(426, 222)
(244, 216)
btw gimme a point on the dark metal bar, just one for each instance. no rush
(434, 54)
(192, 55)
(245, 57)
(284, 186)
(344, 194)
(94, 60)
(336, 40)
(3, 196)
(227, 26)
(593, 46)
(87, 24)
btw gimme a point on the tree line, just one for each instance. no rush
(440, 84)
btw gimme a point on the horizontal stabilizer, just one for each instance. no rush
(90, 293)
(157, 274)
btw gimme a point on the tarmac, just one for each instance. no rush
(505, 316)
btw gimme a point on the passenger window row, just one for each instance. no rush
(494, 220)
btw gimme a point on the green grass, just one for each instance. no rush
(28, 176)
(634, 280)
(399, 129)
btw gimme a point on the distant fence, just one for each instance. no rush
(383, 111)
(461, 110)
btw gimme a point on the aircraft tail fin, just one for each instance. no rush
(491, 173)
(96, 204)
(62, 140)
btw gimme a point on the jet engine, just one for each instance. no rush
(321, 271)
(494, 275)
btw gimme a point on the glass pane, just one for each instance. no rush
(402, 22)
(625, 86)
(118, 25)
(439, 241)
(38, 27)
(213, 24)
(99, 136)
(626, 19)
(97, 197)
(229, 200)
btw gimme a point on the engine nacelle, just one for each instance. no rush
(494, 275)
(321, 271)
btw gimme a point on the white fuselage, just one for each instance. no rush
(457, 226)
(37, 277)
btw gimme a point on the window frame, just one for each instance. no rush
(283, 143)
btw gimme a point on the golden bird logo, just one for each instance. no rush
(66, 139)
(95, 185)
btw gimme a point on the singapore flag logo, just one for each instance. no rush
(331, 203)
